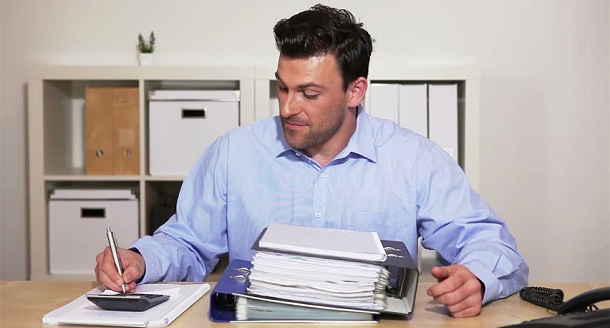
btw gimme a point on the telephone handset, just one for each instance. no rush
(584, 301)
(553, 299)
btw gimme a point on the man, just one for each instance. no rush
(324, 162)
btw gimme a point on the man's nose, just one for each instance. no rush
(288, 106)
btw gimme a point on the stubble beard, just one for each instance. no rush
(314, 136)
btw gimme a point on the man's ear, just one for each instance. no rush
(356, 92)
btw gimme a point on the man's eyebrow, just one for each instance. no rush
(301, 86)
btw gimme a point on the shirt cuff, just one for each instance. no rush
(489, 285)
(133, 249)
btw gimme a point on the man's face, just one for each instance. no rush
(313, 104)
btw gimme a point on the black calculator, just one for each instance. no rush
(127, 302)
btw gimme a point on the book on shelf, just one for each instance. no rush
(81, 311)
(292, 286)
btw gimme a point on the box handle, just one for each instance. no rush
(193, 112)
(92, 213)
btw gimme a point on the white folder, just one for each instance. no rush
(384, 101)
(443, 116)
(413, 112)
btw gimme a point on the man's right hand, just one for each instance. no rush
(107, 275)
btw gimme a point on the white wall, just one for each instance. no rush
(2, 256)
(544, 96)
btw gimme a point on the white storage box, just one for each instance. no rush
(77, 229)
(182, 124)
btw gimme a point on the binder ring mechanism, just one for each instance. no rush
(392, 249)
(242, 277)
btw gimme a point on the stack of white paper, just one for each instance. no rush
(97, 194)
(320, 266)
(251, 308)
(319, 281)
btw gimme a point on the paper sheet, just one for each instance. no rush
(82, 312)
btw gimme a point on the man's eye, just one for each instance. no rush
(310, 96)
(282, 88)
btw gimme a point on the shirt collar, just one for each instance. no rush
(361, 142)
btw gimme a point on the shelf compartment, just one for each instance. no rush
(161, 197)
(64, 123)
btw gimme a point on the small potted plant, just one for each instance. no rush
(146, 49)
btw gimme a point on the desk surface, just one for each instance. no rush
(24, 303)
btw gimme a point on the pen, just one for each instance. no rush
(114, 248)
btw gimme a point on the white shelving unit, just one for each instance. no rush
(56, 136)
(56, 129)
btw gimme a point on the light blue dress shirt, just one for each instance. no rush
(388, 179)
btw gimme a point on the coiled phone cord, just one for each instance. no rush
(548, 298)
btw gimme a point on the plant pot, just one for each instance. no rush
(146, 58)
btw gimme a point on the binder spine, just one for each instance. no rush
(233, 281)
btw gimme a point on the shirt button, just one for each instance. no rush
(323, 175)
(318, 215)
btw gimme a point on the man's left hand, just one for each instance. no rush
(457, 288)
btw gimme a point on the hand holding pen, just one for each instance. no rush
(114, 249)
(118, 269)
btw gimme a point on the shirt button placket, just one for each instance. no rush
(320, 195)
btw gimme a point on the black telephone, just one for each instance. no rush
(584, 301)
(569, 314)
(553, 299)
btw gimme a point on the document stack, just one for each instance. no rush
(336, 281)
(316, 274)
